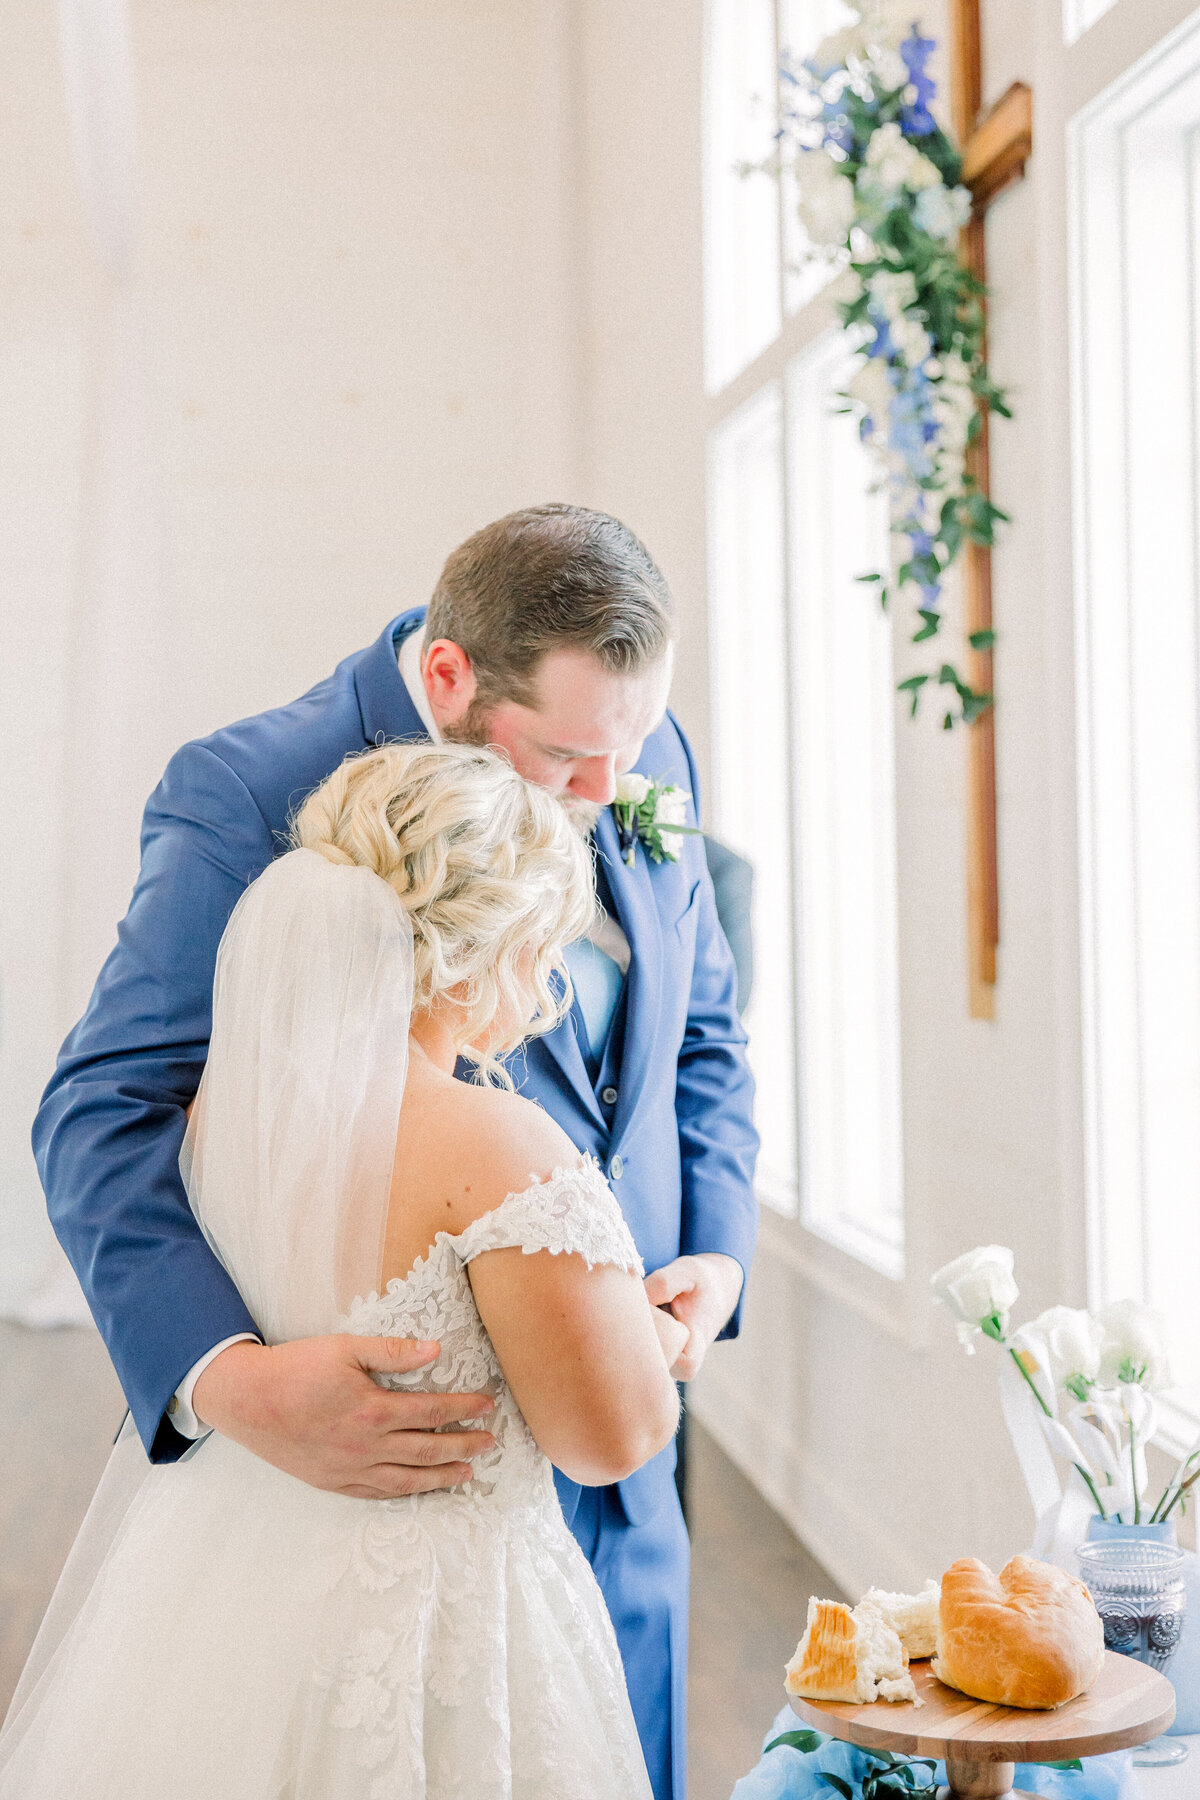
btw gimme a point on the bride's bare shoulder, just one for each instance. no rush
(464, 1148)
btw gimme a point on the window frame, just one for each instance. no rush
(871, 1279)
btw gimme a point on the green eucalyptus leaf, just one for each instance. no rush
(837, 1784)
(1073, 1765)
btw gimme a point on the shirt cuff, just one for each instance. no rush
(180, 1410)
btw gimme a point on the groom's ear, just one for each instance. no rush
(449, 680)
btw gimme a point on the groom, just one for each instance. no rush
(549, 635)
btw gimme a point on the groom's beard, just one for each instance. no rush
(583, 814)
(472, 729)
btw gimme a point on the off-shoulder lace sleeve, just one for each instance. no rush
(573, 1211)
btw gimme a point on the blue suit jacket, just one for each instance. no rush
(109, 1130)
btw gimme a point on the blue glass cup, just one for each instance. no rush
(1141, 1597)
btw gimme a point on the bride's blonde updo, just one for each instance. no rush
(492, 874)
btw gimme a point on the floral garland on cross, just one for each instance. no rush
(880, 195)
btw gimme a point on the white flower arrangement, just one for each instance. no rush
(653, 813)
(1093, 1377)
(880, 195)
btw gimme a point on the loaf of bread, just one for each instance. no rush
(1031, 1637)
(854, 1656)
(913, 1617)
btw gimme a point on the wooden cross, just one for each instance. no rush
(996, 145)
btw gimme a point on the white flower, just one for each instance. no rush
(891, 290)
(979, 1289)
(632, 789)
(911, 340)
(889, 69)
(870, 386)
(826, 199)
(942, 211)
(835, 51)
(1135, 1345)
(896, 163)
(888, 21)
(922, 173)
(671, 808)
(1071, 1341)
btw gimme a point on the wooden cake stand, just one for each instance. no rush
(1129, 1705)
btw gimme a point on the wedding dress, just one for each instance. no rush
(226, 1632)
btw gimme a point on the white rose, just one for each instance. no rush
(942, 212)
(632, 789)
(825, 201)
(1135, 1339)
(671, 808)
(1071, 1341)
(979, 1289)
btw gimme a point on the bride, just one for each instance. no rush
(224, 1630)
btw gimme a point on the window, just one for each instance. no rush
(843, 699)
(1134, 276)
(752, 751)
(803, 689)
(741, 236)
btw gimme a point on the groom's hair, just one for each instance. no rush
(550, 578)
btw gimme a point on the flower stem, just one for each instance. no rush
(1180, 1491)
(1137, 1499)
(1033, 1388)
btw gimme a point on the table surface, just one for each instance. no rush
(1130, 1704)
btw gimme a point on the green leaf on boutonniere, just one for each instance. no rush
(992, 1327)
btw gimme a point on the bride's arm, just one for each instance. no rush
(582, 1353)
(585, 1354)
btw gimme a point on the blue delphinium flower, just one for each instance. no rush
(916, 120)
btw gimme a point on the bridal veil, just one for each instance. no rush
(288, 1154)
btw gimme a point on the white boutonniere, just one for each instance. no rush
(655, 812)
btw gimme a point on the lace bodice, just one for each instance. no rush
(573, 1212)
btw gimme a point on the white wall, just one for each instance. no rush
(353, 330)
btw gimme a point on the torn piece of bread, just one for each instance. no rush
(913, 1617)
(1030, 1636)
(854, 1656)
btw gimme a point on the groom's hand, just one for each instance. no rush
(312, 1409)
(701, 1291)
